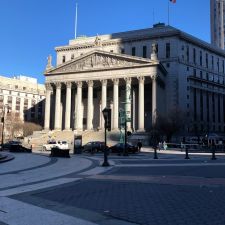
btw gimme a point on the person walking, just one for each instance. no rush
(139, 145)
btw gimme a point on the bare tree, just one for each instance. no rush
(171, 124)
(29, 128)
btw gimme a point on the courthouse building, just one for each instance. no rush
(158, 69)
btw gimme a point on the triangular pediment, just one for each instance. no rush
(98, 60)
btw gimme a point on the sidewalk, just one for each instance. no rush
(135, 190)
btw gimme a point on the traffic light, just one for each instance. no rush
(107, 117)
(129, 133)
(108, 121)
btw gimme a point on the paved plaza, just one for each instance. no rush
(137, 189)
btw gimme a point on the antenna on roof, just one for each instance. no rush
(76, 22)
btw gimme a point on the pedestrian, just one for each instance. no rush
(164, 145)
(160, 145)
(139, 145)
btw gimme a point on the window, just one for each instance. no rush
(223, 66)
(167, 50)
(200, 59)
(201, 105)
(218, 64)
(122, 50)
(201, 74)
(194, 72)
(144, 52)
(219, 118)
(187, 53)
(212, 59)
(194, 55)
(168, 65)
(111, 50)
(133, 51)
(72, 56)
(195, 105)
(206, 60)
(63, 59)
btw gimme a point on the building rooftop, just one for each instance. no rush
(157, 31)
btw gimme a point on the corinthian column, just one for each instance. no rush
(154, 98)
(128, 101)
(115, 103)
(79, 116)
(47, 105)
(141, 104)
(68, 105)
(103, 101)
(58, 106)
(90, 106)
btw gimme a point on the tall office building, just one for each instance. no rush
(217, 22)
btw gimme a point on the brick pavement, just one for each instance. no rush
(138, 195)
(144, 203)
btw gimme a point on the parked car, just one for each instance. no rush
(94, 146)
(119, 148)
(55, 144)
(12, 144)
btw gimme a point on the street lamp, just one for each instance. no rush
(107, 117)
(3, 123)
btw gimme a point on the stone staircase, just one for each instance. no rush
(41, 137)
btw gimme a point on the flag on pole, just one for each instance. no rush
(173, 1)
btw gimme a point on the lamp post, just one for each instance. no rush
(3, 123)
(107, 117)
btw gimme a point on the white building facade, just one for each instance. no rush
(22, 96)
(164, 67)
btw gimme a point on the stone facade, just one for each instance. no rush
(23, 96)
(165, 68)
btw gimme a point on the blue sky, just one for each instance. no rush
(31, 29)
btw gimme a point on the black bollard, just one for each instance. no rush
(155, 153)
(213, 153)
(186, 153)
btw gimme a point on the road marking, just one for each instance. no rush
(174, 180)
(37, 186)
(20, 213)
(170, 164)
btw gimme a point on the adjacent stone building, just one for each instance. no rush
(159, 69)
(22, 96)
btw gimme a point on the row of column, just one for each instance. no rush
(90, 109)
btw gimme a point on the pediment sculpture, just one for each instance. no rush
(97, 61)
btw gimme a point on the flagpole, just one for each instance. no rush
(76, 23)
(168, 11)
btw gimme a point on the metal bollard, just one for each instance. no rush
(186, 153)
(155, 153)
(213, 153)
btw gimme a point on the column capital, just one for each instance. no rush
(104, 82)
(154, 77)
(58, 85)
(48, 86)
(68, 84)
(141, 79)
(128, 80)
(115, 81)
(90, 83)
(79, 84)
